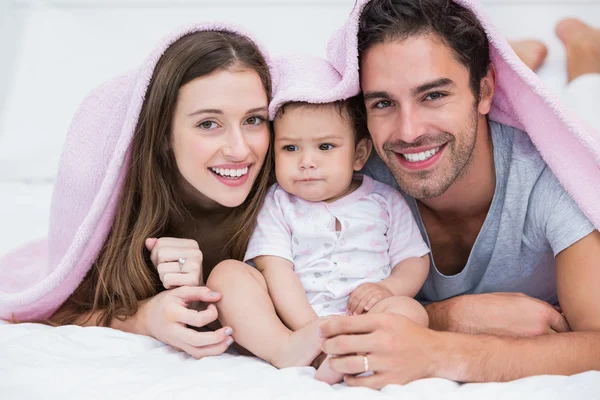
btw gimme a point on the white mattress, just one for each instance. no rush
(99, 363)
(38, 361)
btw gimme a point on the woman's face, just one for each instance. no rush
(220, 135)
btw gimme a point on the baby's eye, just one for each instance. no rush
(256, 120)
(383, 104)
(326, 146)
(290, 147)
(208, 125)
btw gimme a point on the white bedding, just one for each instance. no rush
(99, 363)
(38, 361)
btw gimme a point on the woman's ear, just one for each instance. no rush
(363, 151)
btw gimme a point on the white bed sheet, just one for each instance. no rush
(98, 363)
(38, 361)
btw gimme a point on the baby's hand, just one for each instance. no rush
(178, 261)
(364, 297)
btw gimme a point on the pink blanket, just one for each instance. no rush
(35, 280)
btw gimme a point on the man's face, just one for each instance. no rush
(421, 112)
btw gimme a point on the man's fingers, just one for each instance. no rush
(559, 323)
(376, 381)
(351, 365)
(349, 344)
(350, 325)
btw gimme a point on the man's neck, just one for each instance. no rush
(470, 196)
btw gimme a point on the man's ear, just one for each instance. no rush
(487, 89)
(363, 151)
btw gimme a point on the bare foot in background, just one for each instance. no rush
(582, 44)
(531, 52)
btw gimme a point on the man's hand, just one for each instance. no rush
(499, 314)
(364, 297)
(397, 349)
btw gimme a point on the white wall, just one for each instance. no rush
(52, 52)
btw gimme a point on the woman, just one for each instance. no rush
(178, 149)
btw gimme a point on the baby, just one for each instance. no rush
(328, 241)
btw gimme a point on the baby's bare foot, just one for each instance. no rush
(328, 375)
(531, 52)
(582, 45)
(301, 347)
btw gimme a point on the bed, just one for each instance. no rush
(38, 361)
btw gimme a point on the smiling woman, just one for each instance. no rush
(186, 197)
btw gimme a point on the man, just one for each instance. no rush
(507, 241)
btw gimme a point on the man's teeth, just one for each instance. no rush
(425, 155)
(231, 173)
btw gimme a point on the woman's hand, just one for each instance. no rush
(178, 261)
(166, 317)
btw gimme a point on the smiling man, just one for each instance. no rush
(508, 242)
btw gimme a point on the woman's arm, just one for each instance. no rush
(286, 291)
(166, 317)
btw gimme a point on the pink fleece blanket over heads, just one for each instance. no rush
(36, 279)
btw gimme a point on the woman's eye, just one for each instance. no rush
(290, 147)
(208, 125)
(383, 104)
(326, 146)
(434, 96)
(255, 121)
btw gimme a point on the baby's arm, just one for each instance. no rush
(286, 291)
(408, 276)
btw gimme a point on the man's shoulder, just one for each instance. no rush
(515, 147)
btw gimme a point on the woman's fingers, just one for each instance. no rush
(206, 351)
(159, 246)
(200, 339)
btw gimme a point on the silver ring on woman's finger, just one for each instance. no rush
(366, 363)
(181, 262)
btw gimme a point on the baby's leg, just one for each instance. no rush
(402, 305)
(246, 307)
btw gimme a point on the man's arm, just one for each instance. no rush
(478, 358)
(490, 358)
(286, 291)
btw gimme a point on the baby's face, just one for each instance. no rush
(315, 152)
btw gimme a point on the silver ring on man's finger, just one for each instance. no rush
(181, 262)
(366, 363)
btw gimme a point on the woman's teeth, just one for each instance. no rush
(425, 155)
(230, 173)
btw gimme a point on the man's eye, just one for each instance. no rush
(290, 147)
(434, 96)
(326, 146)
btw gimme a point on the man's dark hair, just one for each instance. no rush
(383, 21)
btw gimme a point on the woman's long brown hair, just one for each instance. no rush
(123, 274)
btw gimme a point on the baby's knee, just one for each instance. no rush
(225, 272)
(405, 306)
